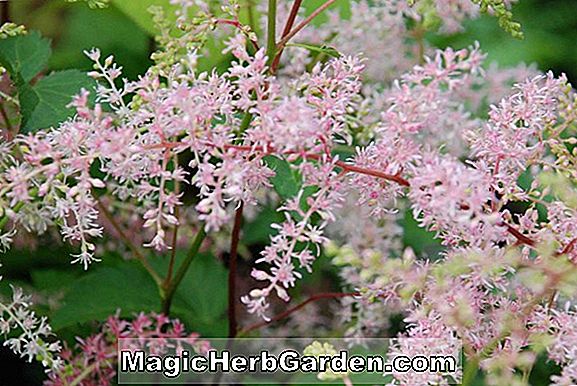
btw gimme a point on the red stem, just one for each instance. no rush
(269, 151)
(287, 28)
(312, 298)
(304, 23)
(292, 17)
(569, 247)
(375, 173)
(238, 25)
(521, 238)
(343, 165)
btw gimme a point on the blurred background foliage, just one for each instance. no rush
(77, 299)
(125, 29)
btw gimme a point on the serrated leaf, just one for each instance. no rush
(105, 290)
(326, 50)
(25, 55)
(287, 182)
(44, 104)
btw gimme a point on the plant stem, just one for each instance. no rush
(170, 288)
(238, 25)
(87, 370)
(282, 315)
(304, 23)
(347, 381)
(6, 120)
(4, 12)
(4, 219)
(287, 28)
(251, 18)
(175, 231)
(271, 30)
(235, 238)
(292, 17)
(419, 35)
(521, 238)
(129, 242)
(470, 372)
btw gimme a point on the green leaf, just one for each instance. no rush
(419, 239)
(138, 12)
(200, 301)
(44, 104)
(53, 280)
(258, 230)
(202, 294)
(25, 55)
(342, 6)
(105, 290)
(204, 288)
(287, 182)
(109, 29)
(326, 50)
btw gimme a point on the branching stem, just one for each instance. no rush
(303, 24)
(288, 312)
(287, 29)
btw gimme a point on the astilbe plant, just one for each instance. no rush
(31, 336)
(504, 283)
(93, 360)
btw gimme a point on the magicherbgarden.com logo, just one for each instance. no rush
(294, 360)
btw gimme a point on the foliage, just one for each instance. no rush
(349, 147)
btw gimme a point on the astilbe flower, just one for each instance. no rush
(416, 99)
(463, 297)
(427, 336)
(28, 335)
(376, 30)
(135, 147)
(286, 246)
(563, 350)
(563, 223)
(234, 122)
(412, 123)
(367, 243)
(329, 94)
(513, 137)
(93, 359)
(451, 199)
